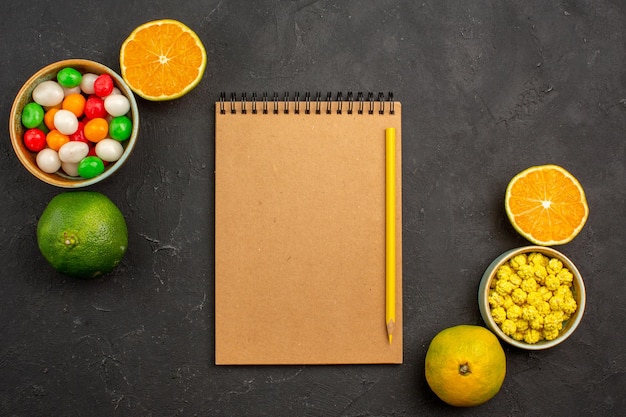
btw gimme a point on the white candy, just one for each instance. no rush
(48, 93)
(73, 90)
(73, 151)
(109, 150)
(65, 122)
(86, 83)
(116, 105)
(70, 168)
(48, 160)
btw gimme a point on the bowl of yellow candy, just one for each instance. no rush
(532, 297)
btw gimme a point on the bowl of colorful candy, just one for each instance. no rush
(74, 123)
(532, 297)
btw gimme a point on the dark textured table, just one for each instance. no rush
(488, 88)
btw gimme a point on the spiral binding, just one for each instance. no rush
(369, 104)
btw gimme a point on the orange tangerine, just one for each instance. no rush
(465, 365)
(56, 139)
(96, 129)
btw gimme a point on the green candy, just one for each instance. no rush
(69, 77)
(42, 126)
(90, 166)
(120, 128)
(32, 115)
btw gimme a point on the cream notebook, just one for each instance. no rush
(300, 230)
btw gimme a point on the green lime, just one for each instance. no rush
(82, 234)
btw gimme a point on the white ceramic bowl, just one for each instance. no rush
(578, 289)
(24, 96)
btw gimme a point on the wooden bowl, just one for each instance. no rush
(24, 96)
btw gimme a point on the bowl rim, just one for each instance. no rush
(483, 294)
(49, 72)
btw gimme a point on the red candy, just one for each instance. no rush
(79, 135)
(92, 152)
(94, 107)
(35, 139)
(103, 85)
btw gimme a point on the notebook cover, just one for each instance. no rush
(300, 237)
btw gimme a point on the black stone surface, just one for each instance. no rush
(488, 88)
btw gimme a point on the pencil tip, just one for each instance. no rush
(390, 337)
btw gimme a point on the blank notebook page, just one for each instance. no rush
(300, 236)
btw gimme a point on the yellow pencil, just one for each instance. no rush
(390, 227)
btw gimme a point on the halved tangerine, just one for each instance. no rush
(546, 204)
(162, 60)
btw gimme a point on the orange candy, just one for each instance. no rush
(96, 129)
(56, 139)
(48, 117)
(74, 103)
